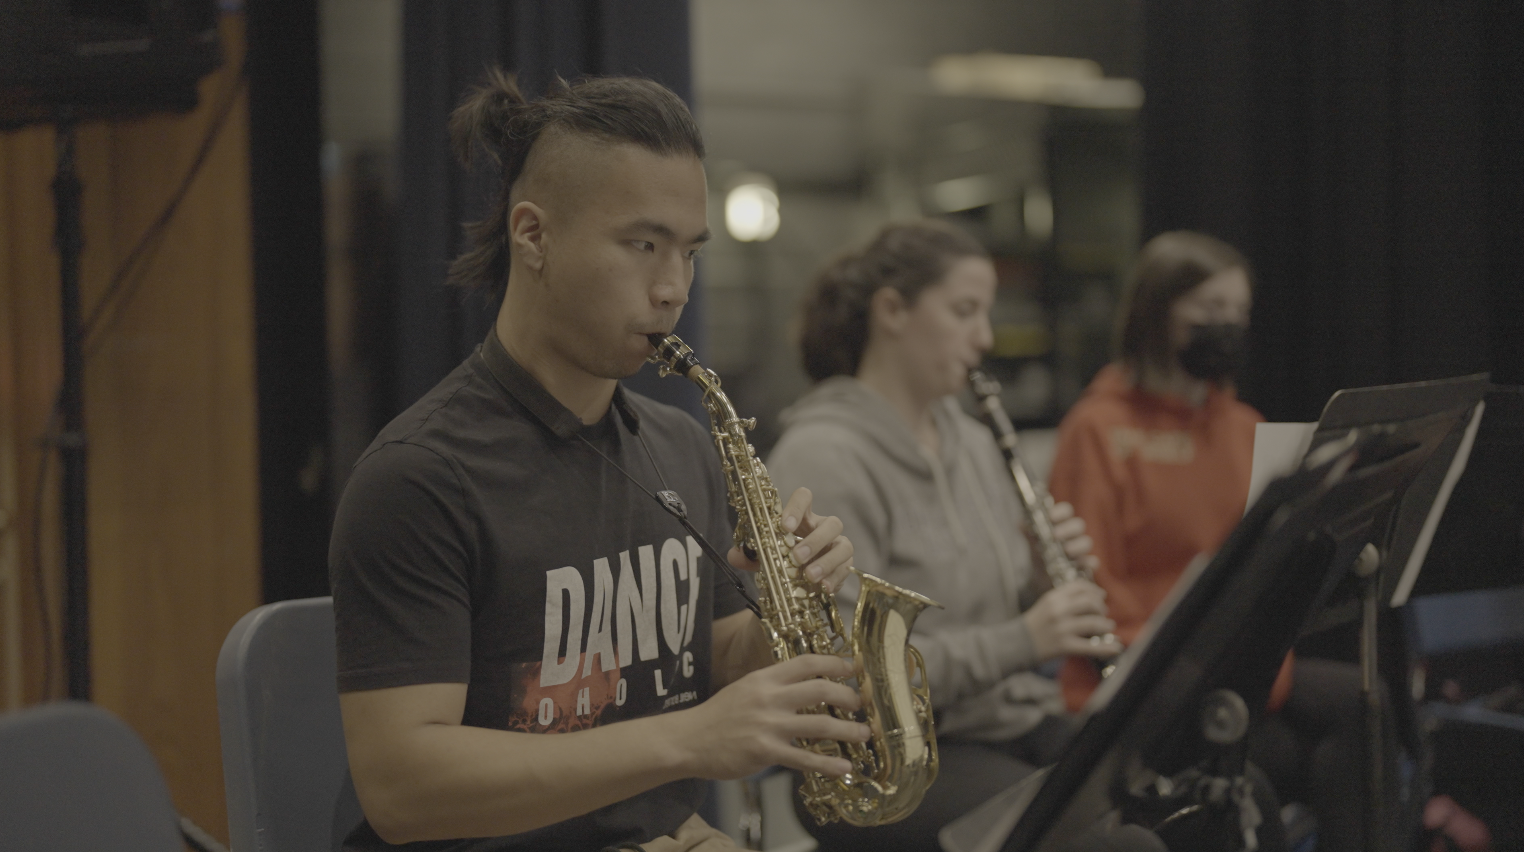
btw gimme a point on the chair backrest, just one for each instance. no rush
(1468, 621)
(74, 777)
(283, 755)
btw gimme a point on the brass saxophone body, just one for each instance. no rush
(1061, 569)
(892, 771)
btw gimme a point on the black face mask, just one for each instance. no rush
(1215, 352)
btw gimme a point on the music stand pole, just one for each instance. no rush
(1367, 568)
(69, 240)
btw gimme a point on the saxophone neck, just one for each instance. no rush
(673, 357)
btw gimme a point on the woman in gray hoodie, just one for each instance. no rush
(890, 333)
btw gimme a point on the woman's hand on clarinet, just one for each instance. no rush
(821, 552)
(1069, 529)
(1064, 619)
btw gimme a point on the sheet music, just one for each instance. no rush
(1278, 449)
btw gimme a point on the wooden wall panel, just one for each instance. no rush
(170, 414)
(29, 375)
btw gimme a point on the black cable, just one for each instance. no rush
(128, 278)
(122, 288)
(673, 505)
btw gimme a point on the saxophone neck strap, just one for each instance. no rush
(673, 505)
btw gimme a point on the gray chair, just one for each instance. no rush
(74, 778)
(283, 755)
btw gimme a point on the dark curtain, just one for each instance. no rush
(290, 317)
(1365, 155)
(446, 47)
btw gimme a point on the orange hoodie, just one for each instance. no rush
(1157, 482)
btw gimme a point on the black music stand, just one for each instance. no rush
(1186, 693)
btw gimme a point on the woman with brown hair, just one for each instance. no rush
(1155, 457)
(890, 331)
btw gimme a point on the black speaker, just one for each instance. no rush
(102, 59)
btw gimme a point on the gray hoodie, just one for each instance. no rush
(946, 527)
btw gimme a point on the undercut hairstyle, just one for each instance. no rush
(495, 118)
(1169, 266)
(908, 257)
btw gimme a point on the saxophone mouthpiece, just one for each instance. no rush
(672, 354)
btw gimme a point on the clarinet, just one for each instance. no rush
(1061, 569)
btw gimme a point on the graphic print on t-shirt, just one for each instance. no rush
(614, 651)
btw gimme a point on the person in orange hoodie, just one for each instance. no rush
(1155, 457)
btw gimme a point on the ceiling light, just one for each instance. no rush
(1053, 80)
(966, 193)
(751, 209)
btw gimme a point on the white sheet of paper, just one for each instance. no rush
(1278, 449)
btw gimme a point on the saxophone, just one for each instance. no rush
(1061, 569)
(892, 771)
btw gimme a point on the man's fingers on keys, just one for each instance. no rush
(822, 533)
(818, 691)
(822, 726)
(831, 568)
(836, 565)
(797, 510)
(808, 761)
(806, 666)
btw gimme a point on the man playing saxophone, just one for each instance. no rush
(533, 652)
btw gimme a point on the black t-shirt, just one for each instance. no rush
(480, 541)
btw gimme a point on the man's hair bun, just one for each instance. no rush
(496, 118)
